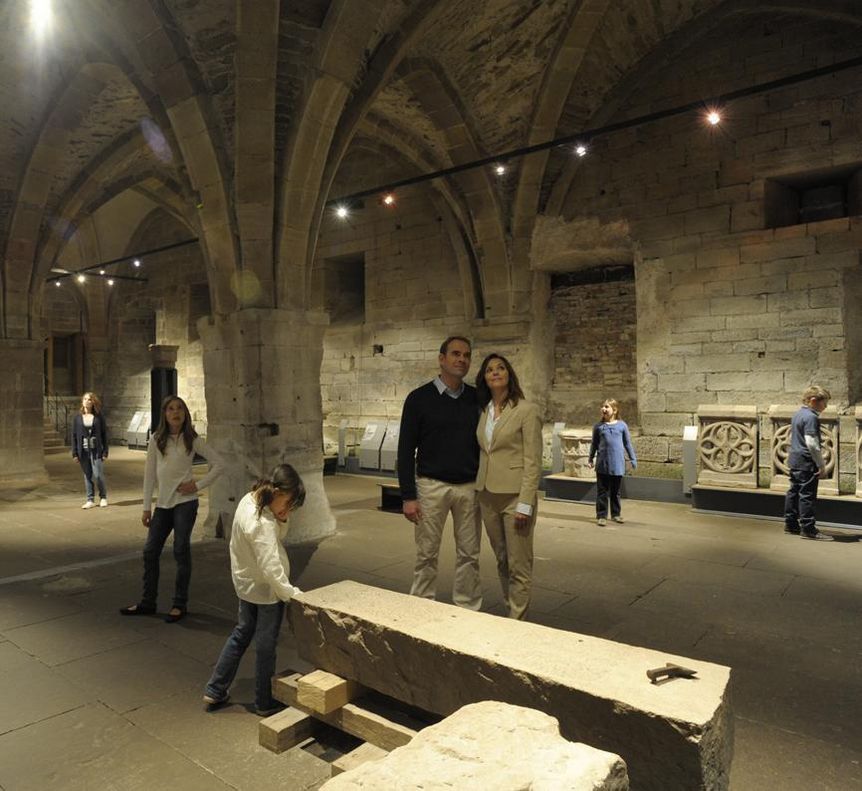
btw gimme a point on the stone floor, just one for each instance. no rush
(90, 700)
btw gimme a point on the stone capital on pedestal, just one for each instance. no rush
(163, 356)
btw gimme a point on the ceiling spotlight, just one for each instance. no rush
(389, 199)
(341, 212)
(101, 271)
(81, 278)
(581, 150)
(499, 169)
(713, 117)
(40, 16)
(136, 262)
(110, 281)
(57, 283)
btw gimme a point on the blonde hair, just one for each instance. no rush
(614, 405)
(97, 403)
(815, 393)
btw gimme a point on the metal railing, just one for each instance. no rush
(60, 410)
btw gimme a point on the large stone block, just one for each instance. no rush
(438, 657)
(490, 745)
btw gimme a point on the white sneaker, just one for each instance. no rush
(103, 503)
(88, 504)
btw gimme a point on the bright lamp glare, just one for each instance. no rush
(57, 283)
(500, 170)
(81, 279)
(713, 117)
(40, 16)
(389, 200)
(341, 212)
(110, 281)
(136, 262)
(581, 150)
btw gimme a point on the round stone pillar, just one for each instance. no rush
(262, 374)
(22, 455)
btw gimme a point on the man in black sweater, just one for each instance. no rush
(438, 457)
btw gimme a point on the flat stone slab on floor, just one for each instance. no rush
(490, 745)
(673, 735)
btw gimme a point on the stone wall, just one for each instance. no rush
(730, 311)
(594, 351)
(413, 299)
(127, 390)
(163, 310)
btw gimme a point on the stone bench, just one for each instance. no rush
(674, 735)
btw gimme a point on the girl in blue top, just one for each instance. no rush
(612, 442)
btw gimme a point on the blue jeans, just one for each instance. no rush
(180, 519)
(800, 500)
(94, 470)
(263, 623)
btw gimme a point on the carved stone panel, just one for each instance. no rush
(727, 446)
(780, 417)
(576, 452)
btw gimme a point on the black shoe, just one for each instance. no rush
(137, 609)
(173, 617)
(816, 536)
(268, 711)
(791, 532)
(214, 704)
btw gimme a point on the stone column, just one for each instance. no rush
(163, 379)
(262, 370)
(22, 458)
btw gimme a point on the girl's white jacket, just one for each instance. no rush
(258, 560)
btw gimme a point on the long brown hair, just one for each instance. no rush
(483, 392)
(97, 403)
(283, 478)
(163, 432)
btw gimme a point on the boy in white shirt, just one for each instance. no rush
(260, 570)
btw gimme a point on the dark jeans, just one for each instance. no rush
(93, 467)
(800, 500)
(180, 519)
(608, 488)
(261, 622)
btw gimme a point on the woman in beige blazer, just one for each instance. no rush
(510, 464)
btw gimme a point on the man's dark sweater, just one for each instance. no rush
(440, 432)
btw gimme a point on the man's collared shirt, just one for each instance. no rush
(442, 387)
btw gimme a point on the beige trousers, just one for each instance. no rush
(438, 499)
(513, 549)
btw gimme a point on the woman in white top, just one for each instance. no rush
(260, 572)
(170, 453)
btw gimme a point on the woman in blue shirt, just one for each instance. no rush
(612, 443)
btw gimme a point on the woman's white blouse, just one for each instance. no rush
(172, 468)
